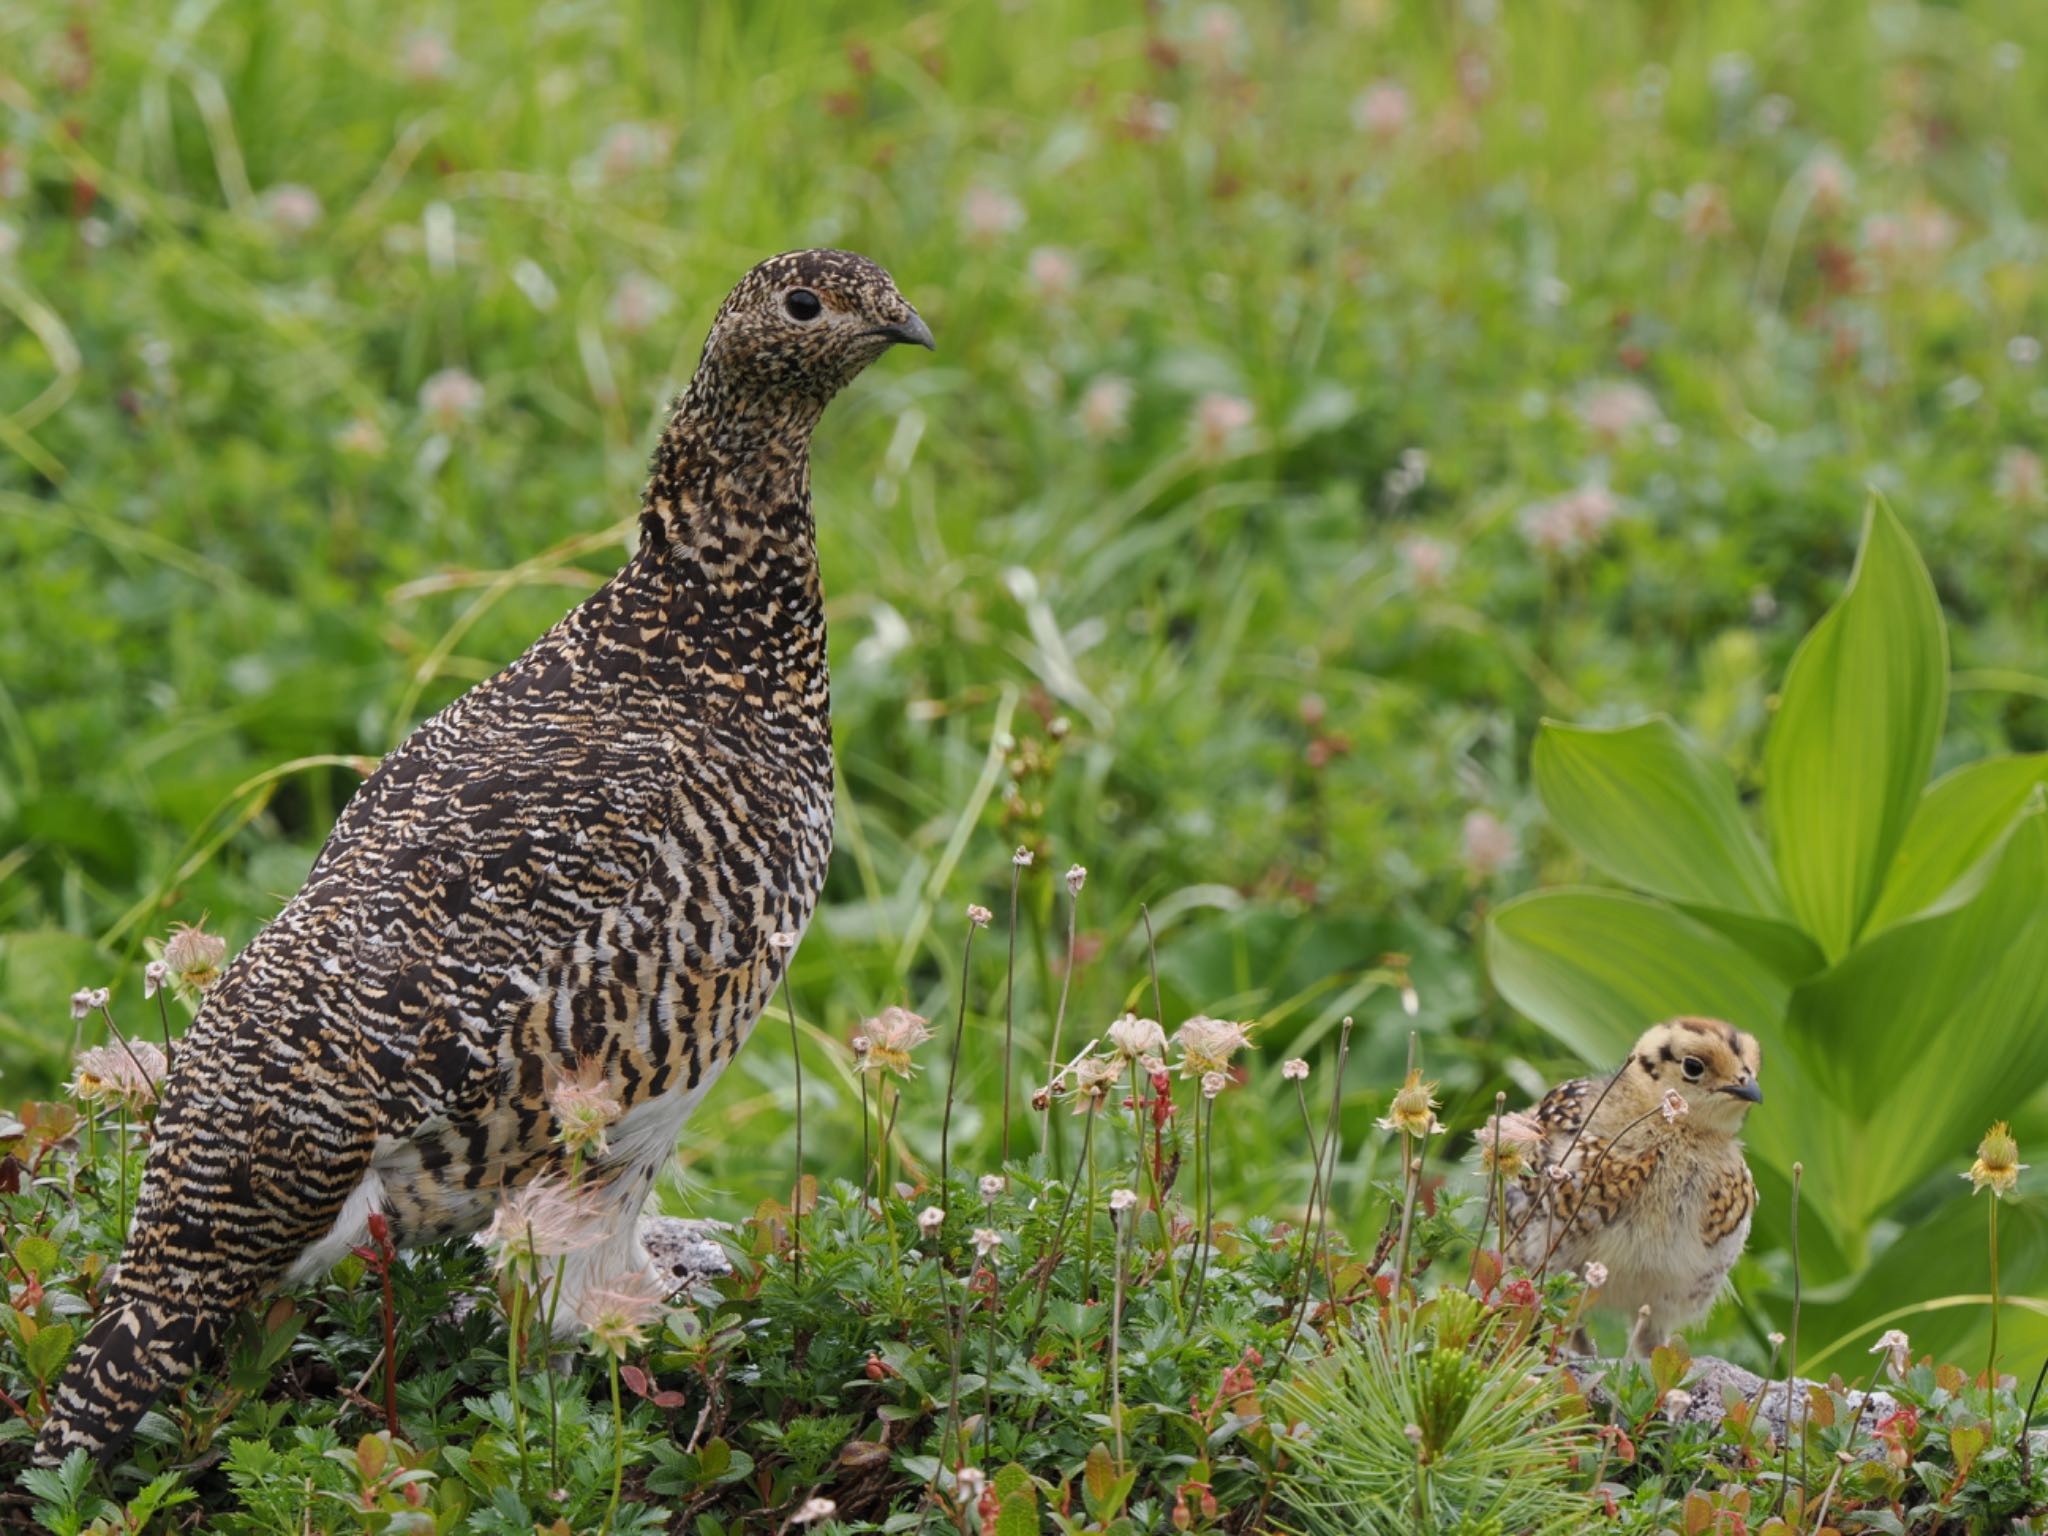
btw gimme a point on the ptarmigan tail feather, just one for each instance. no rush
(131, 1354)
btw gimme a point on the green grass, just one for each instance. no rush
(203, 581)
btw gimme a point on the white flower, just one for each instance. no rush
(449, 397)
(970, 1483)
(1105, 409)
(1673, 1105)
(784, 941)
(1295, 1070)
(1411, 1000)
(86, 1000)
(981, 917)
(814, 1510)
(1022, 857)
(1775, 1339)
(1213, 1083)
(1122, 1199)
(1596, 1275)
(155, 977)
(1134, 1037)
(1897, 1350)
(930, 1219)
(991, 1187)
(1076, 878)
(987, 1240)
(1676, 1405)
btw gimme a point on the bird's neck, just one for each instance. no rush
(724, 590)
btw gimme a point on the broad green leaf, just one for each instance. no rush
(1937, 1025)
(1596, 968)
(1962, 814)
(1857, 723)
(1648, 806)
(1783, 949)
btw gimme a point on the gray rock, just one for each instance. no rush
(685, 1252)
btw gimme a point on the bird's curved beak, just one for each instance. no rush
(913, 330)
(1747, 1089)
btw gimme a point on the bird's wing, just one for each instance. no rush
(1731, 1199)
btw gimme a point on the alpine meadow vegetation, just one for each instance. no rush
(1481, 526)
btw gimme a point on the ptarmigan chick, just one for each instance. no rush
(591, 867)
(1642, 1173)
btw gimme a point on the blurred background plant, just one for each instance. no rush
(1326, 395)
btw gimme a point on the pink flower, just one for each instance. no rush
(130, 1074)
(542, 1219)
(291, 209)
(981, 917)
(584, 1108)
(892, 1035)
(2020, 481)
(638, 304)
(1206, 1044)
(1382, 109)
(1612, 411)
(1054, 273)
(1219, 419)
(1427, 561)
(425, 58)
(450, 397)
(987, 215)
(616, 1313)
(1105, 408)
(1489, 845)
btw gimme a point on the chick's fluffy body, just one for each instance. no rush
(1643, 1174)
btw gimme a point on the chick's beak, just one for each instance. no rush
(913, 330)
(1748, 1089)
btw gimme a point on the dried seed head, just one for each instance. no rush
(1998, 1166)
(1413, 1112)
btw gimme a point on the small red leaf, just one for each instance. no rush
(634, 1378)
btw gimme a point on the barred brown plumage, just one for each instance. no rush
(578, 862)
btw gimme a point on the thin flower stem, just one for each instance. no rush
(618, 1448)
(121, 1151)
(1333, 1146)
(2025, 1446)
(1059, 1234)
(1116, 1336)
(1088, 1228)
(953, 1073)
(107, 1013)
(1308, 1219)
(796, 1193)
(988, 1378)
(1991, 1364)
(866, 1164)
(1792, 1365)
(1152, 961)
(514, 1358)
(1059, 1017)
(1411, 1172)
(1146, 1183)
(1010, 1009)
(1205, 1153)
(163, 1013)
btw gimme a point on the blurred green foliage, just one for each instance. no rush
(1326, 393)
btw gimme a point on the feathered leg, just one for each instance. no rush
(238, 1184)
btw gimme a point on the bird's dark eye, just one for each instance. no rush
(1693, 1068)
(802, 304)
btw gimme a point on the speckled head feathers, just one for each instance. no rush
(806, 323)
(1711, 1063)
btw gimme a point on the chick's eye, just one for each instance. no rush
(1693, 1068)
(802, 304)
